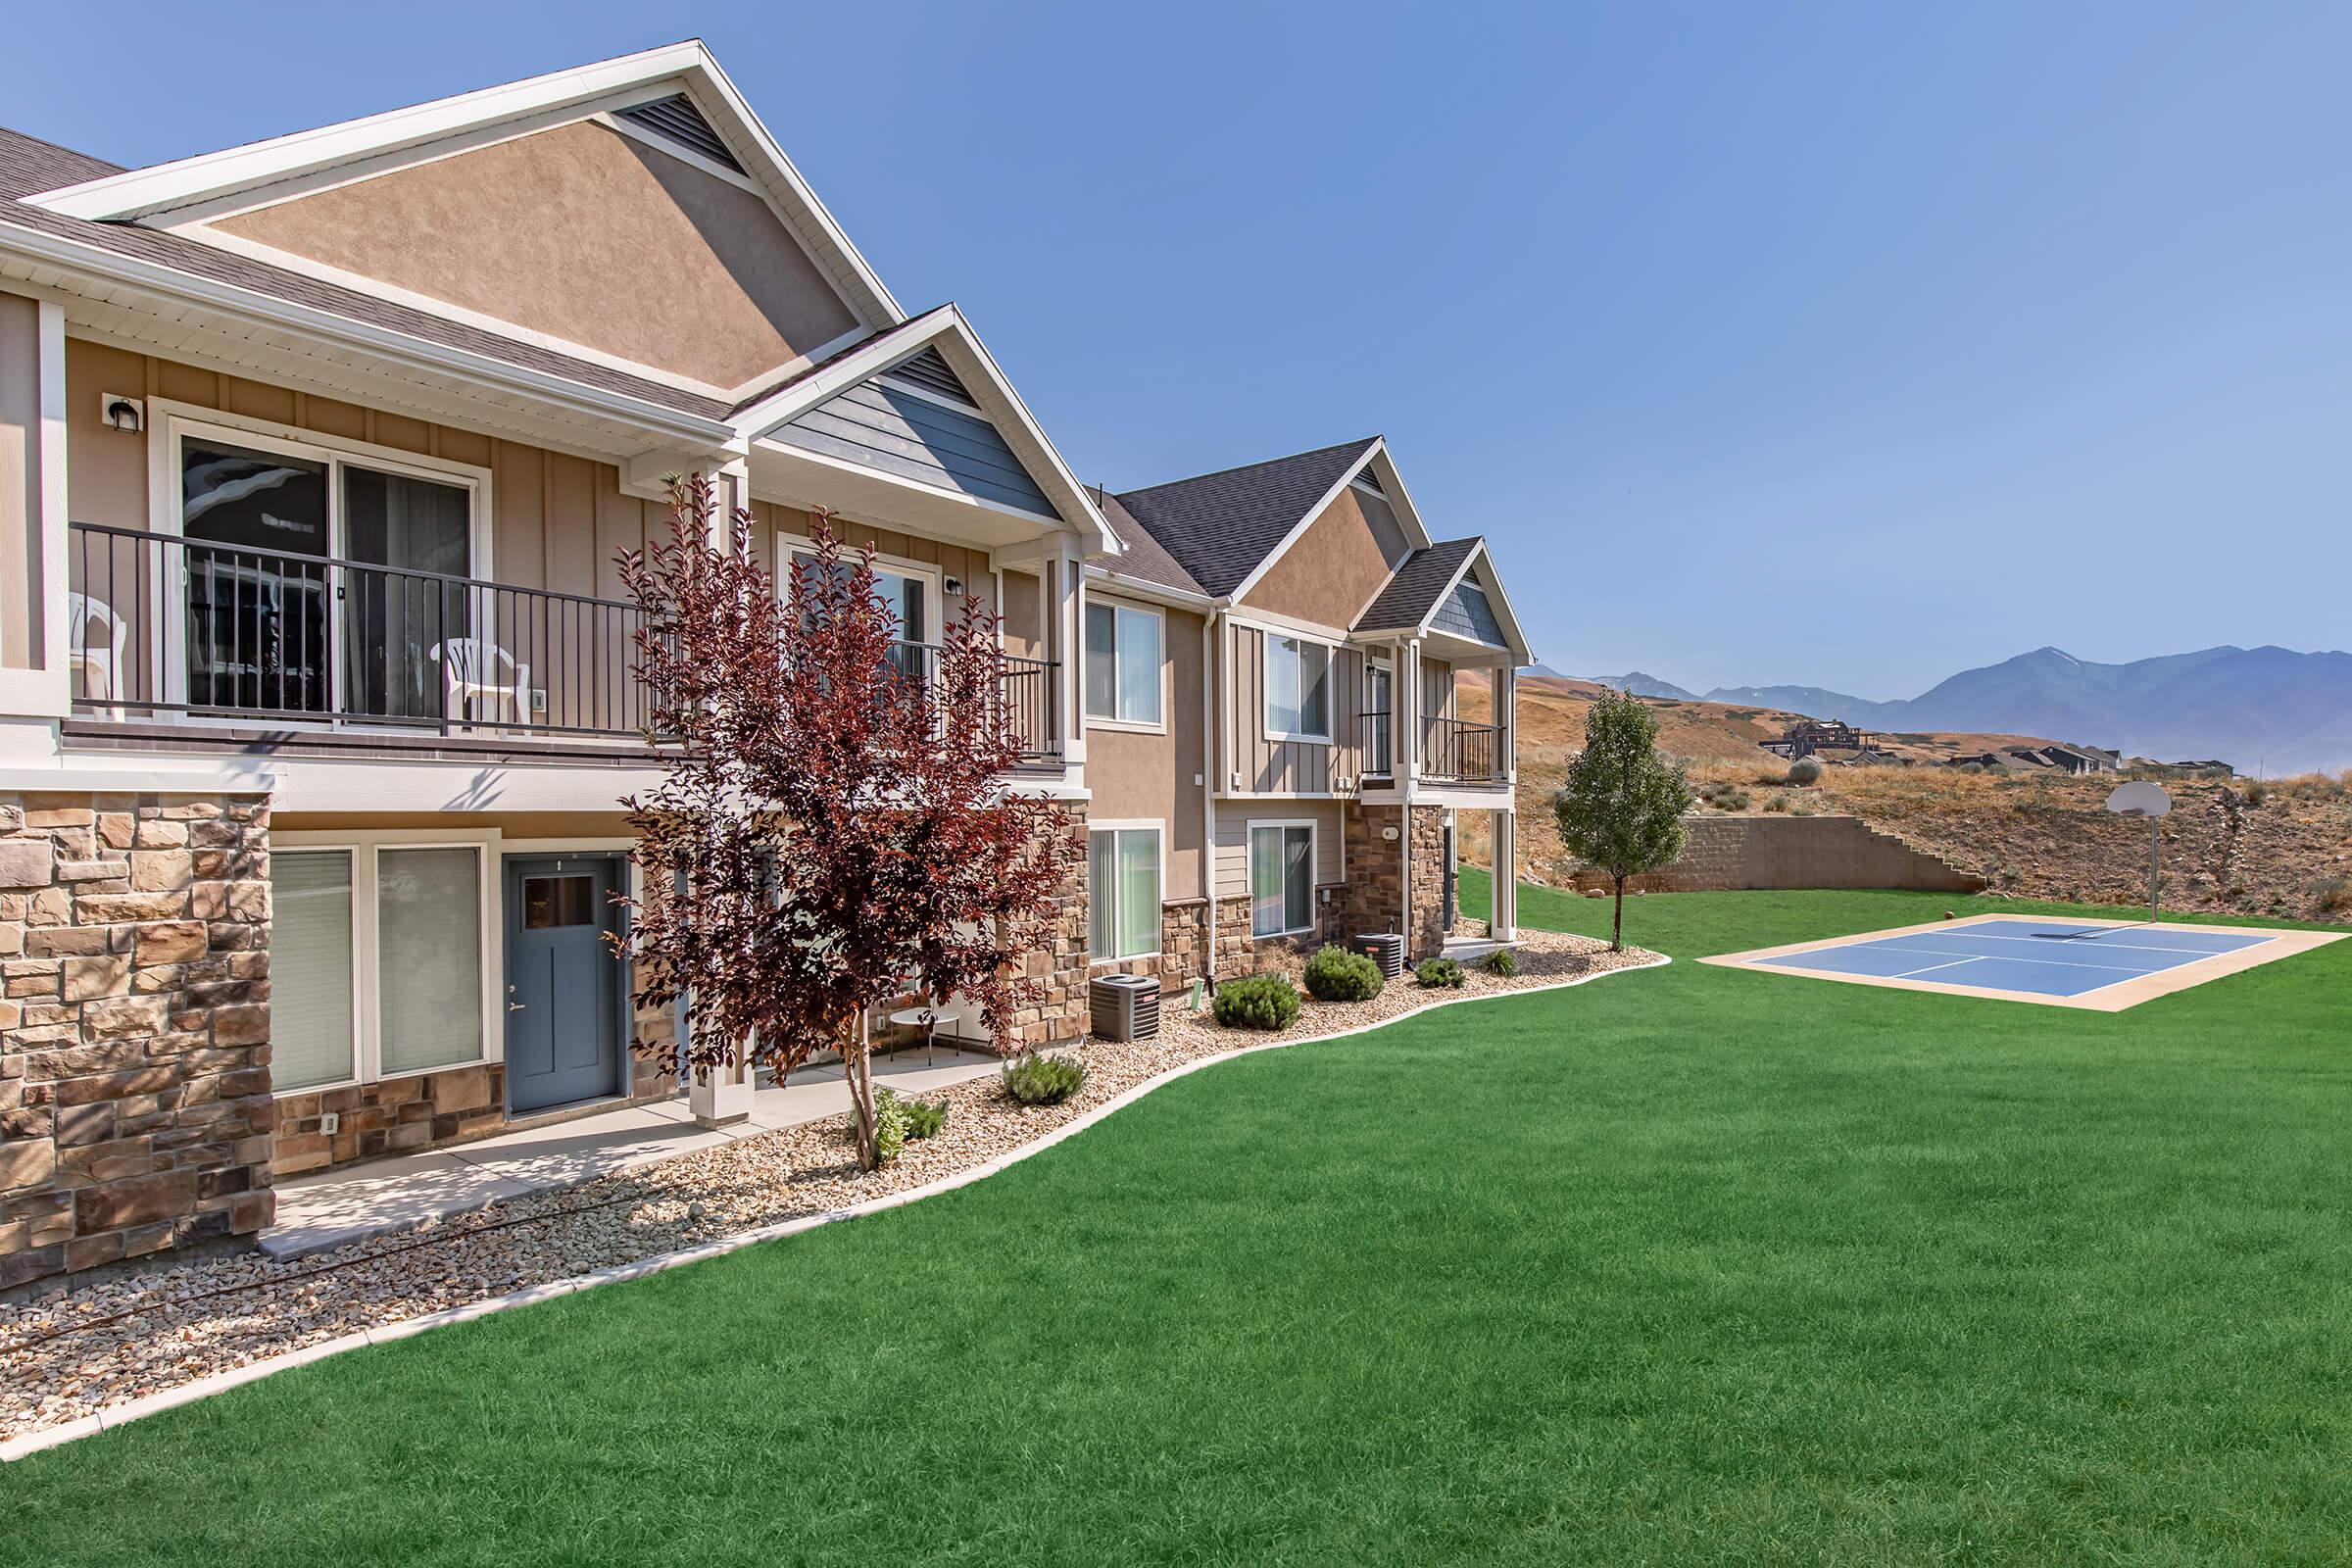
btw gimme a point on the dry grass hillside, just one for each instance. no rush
(2282, 848)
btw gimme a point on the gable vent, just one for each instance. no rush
(677, 120)
(930, 372)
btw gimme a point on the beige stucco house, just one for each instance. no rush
(316, 458)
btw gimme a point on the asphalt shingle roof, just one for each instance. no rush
(1413, 588)
(1217, 528)
(1145, 558)
(29, 166)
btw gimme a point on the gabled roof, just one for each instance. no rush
(1420, 581)
(188, 188)
(940, 334)
(1146, 559)
(1414, 601)
(1221, 528)
(29, 166)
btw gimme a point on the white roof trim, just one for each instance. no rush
(945, 326)
(210, 178)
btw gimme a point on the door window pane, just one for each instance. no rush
(429, 942)
(1298, 878)
(310, 961)
(550, 901)
(419, 531)
(257, 624)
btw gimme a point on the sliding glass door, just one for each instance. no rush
(259, 623)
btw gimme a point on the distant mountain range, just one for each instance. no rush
(2268, 708)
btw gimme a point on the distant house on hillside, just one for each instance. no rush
(2051, 759)
(1809, 735)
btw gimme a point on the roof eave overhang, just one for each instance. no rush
(241, 308)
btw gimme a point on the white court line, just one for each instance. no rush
(1931, 968)
(1997, 957)
(2147, 947)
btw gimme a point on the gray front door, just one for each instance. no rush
(566, 1009)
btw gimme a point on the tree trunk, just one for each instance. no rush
(1617, 926)
(857, 1067)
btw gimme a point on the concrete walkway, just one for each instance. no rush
(317, 1213)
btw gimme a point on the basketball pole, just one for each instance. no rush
(2155, 850)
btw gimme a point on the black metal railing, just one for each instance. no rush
(1376, 739)
(165, 625)
(1460, 752)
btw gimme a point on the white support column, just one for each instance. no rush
(1503, 918)
(41, 687)
(1506, 723)
(720, 1097)
(1408, 713)
(1071, 581)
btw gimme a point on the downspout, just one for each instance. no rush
(1209, 674)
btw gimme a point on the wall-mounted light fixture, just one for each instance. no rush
(126, 414)
(954, 587)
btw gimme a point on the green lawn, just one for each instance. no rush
(1688, 1265)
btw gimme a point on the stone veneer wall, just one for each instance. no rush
(1376, 867)
(135, 1033)
(1060, 1014)
(426, 1111)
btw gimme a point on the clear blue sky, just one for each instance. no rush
(1839, 345)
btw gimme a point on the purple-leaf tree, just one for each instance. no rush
(834, 831)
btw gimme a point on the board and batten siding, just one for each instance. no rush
(1233, 838)
(1290, 767)
(882, 427)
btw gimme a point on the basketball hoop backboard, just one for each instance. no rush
(2138, 798)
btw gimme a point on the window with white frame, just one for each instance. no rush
(1122, 890)
(1282, 878)
(259, 505)
(1297, 689)
(1122, 663)
(377, 961)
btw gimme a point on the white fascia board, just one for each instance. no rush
(945, 326)
(1306, 520)
(1157, 593)
(252, 307)
(163, 187)
(1490, 578)
(209, 177)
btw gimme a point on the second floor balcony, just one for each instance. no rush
(185, 632)
(1450, 751)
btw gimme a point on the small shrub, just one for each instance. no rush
(1805, 771)
(2257, 790)
(924, 1117)
(2331, 894)
(1972, 768)
(890, 1126)
(1438, 973)
(1260, 1001)
(1500, 964)
(1337, 975)
(1777, 803)
(1036, 1080)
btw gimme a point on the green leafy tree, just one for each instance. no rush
(1622, 807)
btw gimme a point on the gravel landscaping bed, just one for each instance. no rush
(70, 1357)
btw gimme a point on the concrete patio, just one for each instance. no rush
(335, 1208)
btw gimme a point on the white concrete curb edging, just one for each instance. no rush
(149, 1405)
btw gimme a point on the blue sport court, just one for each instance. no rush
(2020, 958)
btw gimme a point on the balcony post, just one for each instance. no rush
(35, 679)
(1407, 714)
(1068, 704)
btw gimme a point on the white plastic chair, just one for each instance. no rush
(105, 664)
(474, 669)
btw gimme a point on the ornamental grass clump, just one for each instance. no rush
(1500, 963)
(1036, 1080)
(1260, 1002)
(1337, 975)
